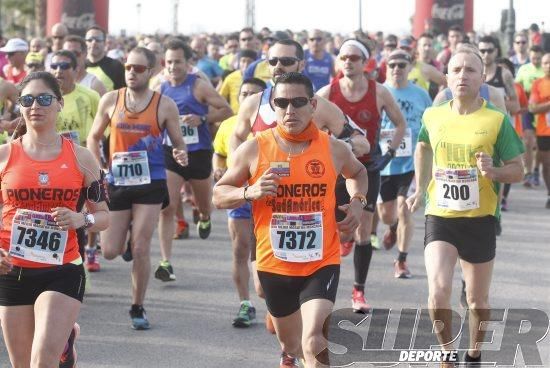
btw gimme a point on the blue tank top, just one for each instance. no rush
(188, 104)
(318, 71)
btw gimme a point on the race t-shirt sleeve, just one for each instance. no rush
(508, 144)
(220, 141)
(535, 98)
(423, 135)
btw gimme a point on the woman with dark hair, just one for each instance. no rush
(41, 274)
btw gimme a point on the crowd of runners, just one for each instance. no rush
(314, 143)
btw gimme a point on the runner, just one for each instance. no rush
(230, 87)
(199, 105)
(462, 195)
(77, 46)
(80, 103)
(137, 118)
(539, 104)
(280, 165)
(8, 100)
(43, 286)
(109, 71)
(364, 101)
(239, 220)
(16, 49)
(397, 176)
(319, 64)
(521, 51)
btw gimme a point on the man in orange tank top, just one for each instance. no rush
(291, 172)
(138, 119)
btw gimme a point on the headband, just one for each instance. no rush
(357, 44)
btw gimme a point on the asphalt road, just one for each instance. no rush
(191, 318)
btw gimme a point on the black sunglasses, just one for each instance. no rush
(399, 65)
(285, 61)
(296, 102)
(63, 66)
(43, 99)
(34, 65)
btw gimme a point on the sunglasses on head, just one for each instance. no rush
(486, 51)
(96, 39)
(43, 99)
(399, 65)
(136, 67)
(315, 39)
(352, 58)
(296, 102)
(63, 66)
(285, 61)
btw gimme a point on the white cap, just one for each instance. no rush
(14, 45)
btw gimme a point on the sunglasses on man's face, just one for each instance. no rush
(520, 42)
(136, 67)
(43, 99)
(296, 102)
(246, 39)
(399, 65)
(285, 61)
(352, 58)
(35, 65)
(63, 66)
(486, 51)
(316, 39)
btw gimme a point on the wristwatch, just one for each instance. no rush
(89, 220)
(203, 119)
(361, 198)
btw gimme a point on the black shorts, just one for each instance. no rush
(473, 237)
(343, 197)
(394, 186)
(543, 143)
(22, 286)
(285, 294)
(123, 197)
(199, 167)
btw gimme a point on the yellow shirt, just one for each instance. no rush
(417, 78)
(79, 109)
(457, 188)
(230, 89)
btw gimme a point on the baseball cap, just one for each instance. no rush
(399, 55)
(34, 58)
(15, 45)
(405, 43)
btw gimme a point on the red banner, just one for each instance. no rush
(78, 15)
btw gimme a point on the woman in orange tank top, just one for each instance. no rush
(43, 176)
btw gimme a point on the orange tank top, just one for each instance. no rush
(296, 232)
(137, 132)
(30, 189)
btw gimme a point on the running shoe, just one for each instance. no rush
(346, 247)
(127, 255)
(165, 272)
(196, 215)
(203, 228)
(374, 241)
(182, 230)
(246, 316)
(535, 179)
(463, 298)
(548, 204)
(503, 205)
(69, 357)
(288, 361)
(401, 271)
(92, 263)
(469, 362)
(527, 180)
(139, 318)
(358, 302)
(269, 324)
(389, 239)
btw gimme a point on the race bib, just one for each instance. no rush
(35, 237)
(130, 168)
(297, 237)
(190, 134)
(73, 135)
(404, 149)
(457, 189)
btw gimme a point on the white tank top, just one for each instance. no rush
(88, 80)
